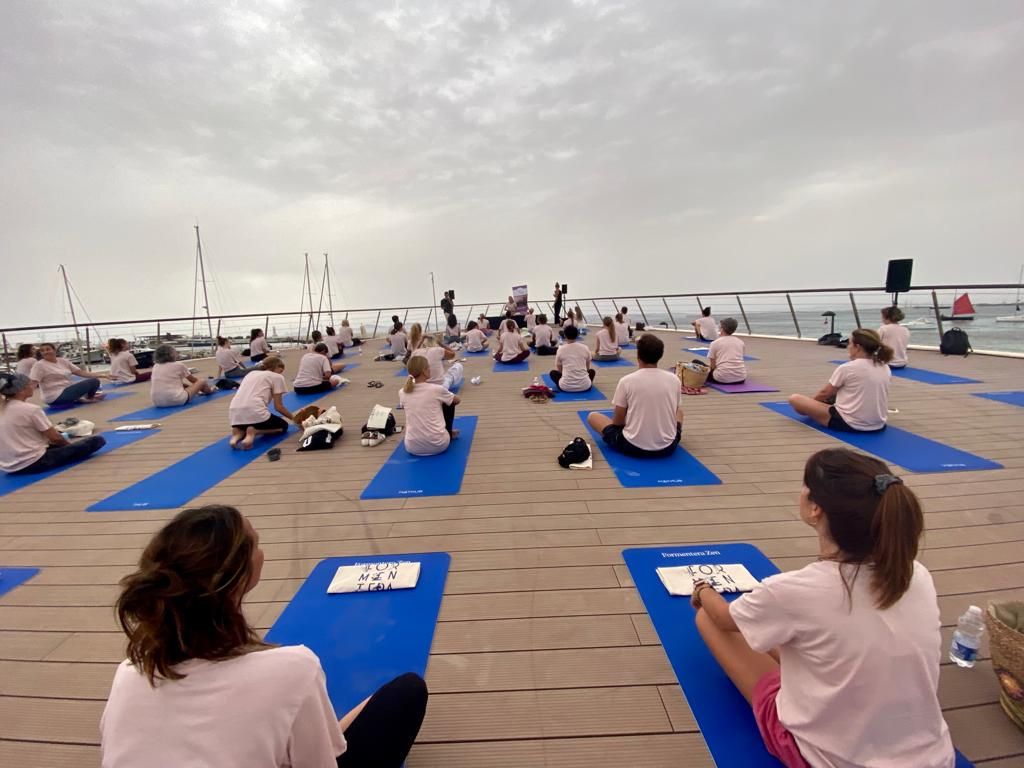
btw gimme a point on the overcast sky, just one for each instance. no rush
(624, 147)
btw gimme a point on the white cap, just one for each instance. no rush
(974, 610)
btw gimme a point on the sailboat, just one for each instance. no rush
(1017, 316)
(962, 309)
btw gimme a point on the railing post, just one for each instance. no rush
(856, 314)
(6, 353)
(158, 334)
(793, 313)
(214, 341)
(88, 350)
(405, 317)
(699, 305)
(669, 311)
(266, 326)
(486, 307)
(600, 317)
(938, 314)
(430, 314)
(469, 316)
(642, 313)
(744, 313)
(376, 324)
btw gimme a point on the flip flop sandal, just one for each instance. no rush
(378, 384)
(694, 391)
(274, 454)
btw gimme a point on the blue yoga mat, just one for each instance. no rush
(680, 468)
(406, 475)
(152, 413)
(723, 716)
(12, 483)
(481, 352)
(523, 365)
(1010, 398)
(631, 345)
(573, 397)
(620, 363)
(704, 352)
(895, 445)
(365, 639)
(922, 376)
(72, 406)
(11, 577)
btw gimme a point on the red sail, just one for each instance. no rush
(963, 306)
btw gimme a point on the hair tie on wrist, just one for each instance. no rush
(882, 482)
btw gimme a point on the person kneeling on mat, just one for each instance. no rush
(725, 355)
(856, 398)
(512, 348)
(429, 411)
(572, 364)
(857, 632)
(316, 372)
(29, 443)
(199, 686)
(543, 341)
(249, 411)
(648, 418)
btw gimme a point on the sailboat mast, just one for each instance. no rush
(330, 299)
(309, 288)
(71, 304)
(1020, 281)
(202, 274)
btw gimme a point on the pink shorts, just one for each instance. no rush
(777, 739)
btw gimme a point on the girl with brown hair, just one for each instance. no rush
(53, 375)
(895, 335)
(123, 365)
(512, 347)
(856, 398)
(606, 346)
(840, 659)
(199, 686)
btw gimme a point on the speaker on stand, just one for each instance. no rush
(897, 278)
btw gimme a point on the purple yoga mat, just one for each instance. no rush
(737, 389)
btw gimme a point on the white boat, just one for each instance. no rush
(1017, 316)
(921, 322)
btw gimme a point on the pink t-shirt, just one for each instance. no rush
(22, 438)
(859, 684)
(511, 344)
(425, 434)
(266, 708)
(605, 344)
(120, 366)
(531, 321)
(435, 356)
(708, 328)
(621, 333)
(475, 340)
(259, 346)
(569, 320)
(228, 359)
(574, 358)
(863, 396)
(53, 378)
(167, 386)
(398, 343)
(651, 397)
(313, 368)
(898, 337)
(251, 401)
(333, 345)
(543, 336)
(345, 336)
(726, 353)
(24, 366)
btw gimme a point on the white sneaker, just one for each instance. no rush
(475, 380)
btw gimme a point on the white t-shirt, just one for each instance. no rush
(858, 683)
(708, 328)
(435, 356)
(167, 385)
(531, 321)
(511, 345)
(569, 320)
(313, 368)
(621, 333)
(120, 366)
(266, 708)
(24, 366)
(453, 330)
(484, 323)
(53, 378)
(22, 441)
(228, 359)
(251, 401)
(398, 343)
(625, 319)
(605, 344)
(898, 337)
(651, 397)
(543, 336)
(333, 345)
(345, 335)
(425, 434)
(574, 358)
(726, 353)
(259, 346)
(475, 340)
(863, 396)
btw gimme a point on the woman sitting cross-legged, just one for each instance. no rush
(452, 330)
(199, 686)
(512, 348)
(316, 372)
(606, 345)
(29, 443)
(476, 341)
(53, 375)
(26, 359)
(840, 659)
(347, 336)
(543, 342)
(856, 398)
(232, 366)
(259, 347)
(249, 411)
(572, 364)
(725, 355)
(429, 411)
(436, 356)
(172, 384)
(123, 365)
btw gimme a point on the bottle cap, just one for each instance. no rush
(974, 610)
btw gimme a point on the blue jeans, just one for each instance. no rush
(76, 391)
(59, 455)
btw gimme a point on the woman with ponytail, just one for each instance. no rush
(259, 347)
(840, 659)
(512, 347)
(249, 412)
(856, 398)
(606, 345)
(199, 686)
(124, 368)
(232, 366)
(894, 335)
(429, 411)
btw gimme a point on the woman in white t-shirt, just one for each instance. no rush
(856, 398)
(415, 340)
(199, 686)
(572, 364)
(512, 348)
(316, 372)
(621, 331)
(123, 365)
(230, 363)
(249, 412)
(510, 306)
(53, 375)
(29, 443)
(840, 659)
(705, 326)
(726, 355)
(530, 319)
(606, 345)
(429, 411)
(580, 322)
(476, 341)
(436, 356)
(894, 335)
(259, 347)
(543, 341)
(26, 359)
(624, 311)
(398, 341)
(570, 320)
(346, 334)
(172, 383)
(452, 331)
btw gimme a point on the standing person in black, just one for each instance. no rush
(558, 302)
(447, 305)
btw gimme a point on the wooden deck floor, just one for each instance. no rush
(543, 653)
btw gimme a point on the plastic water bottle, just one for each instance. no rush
(967, 638)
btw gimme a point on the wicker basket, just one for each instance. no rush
(1005, 623)
(693, 374)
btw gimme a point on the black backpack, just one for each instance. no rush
(320, 440)
(574, 453)
(955, 342)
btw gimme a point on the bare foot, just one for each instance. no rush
(236, 435)
(96, 398)
(455, 433)
(248, 440)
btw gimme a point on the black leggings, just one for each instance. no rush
(449, 416)
(383, 733)
(323, 386)
(711, 378)
(556, 376)
(59, 455)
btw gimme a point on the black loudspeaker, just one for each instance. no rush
(565, 289)
(897, 279)
(451, 294)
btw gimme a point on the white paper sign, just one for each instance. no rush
(378, 417)
(375, 577)
(679, 580)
